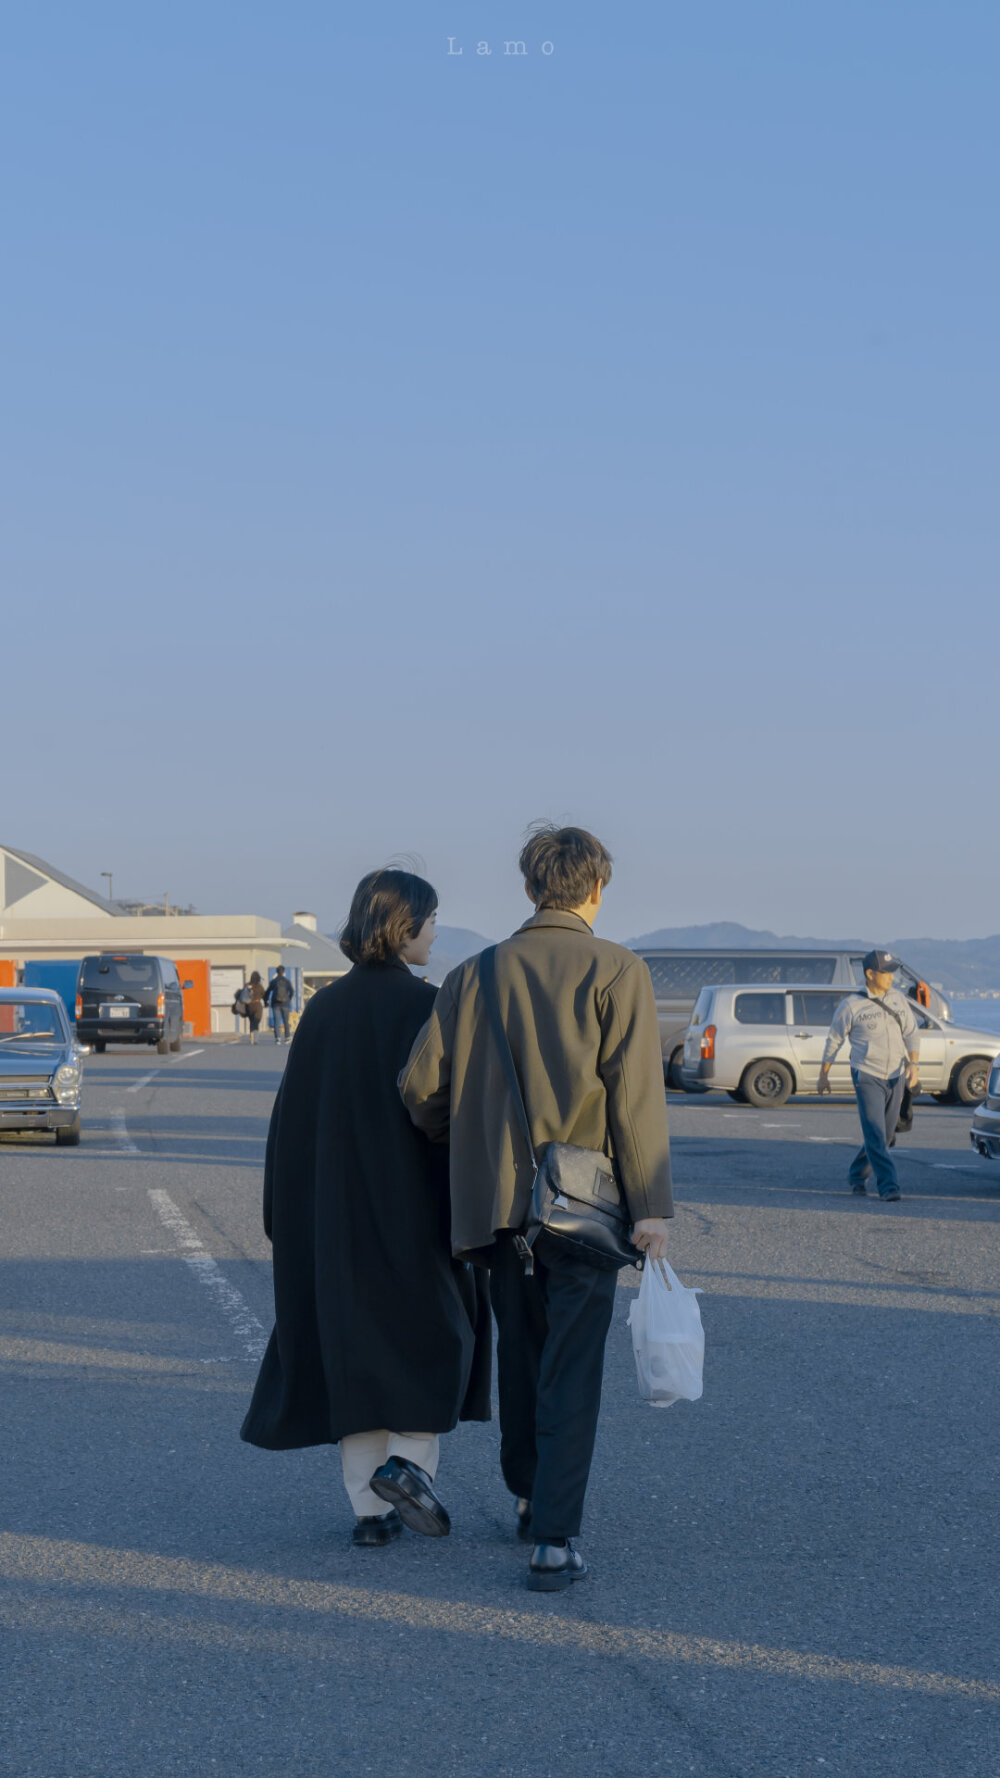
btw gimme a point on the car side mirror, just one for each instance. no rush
(187, 985)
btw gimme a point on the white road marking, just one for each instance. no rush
(822, 1138)
(119, 1131)
(248, 1330)
(144, 1079)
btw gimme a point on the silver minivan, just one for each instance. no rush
(761, 1045)
(679, 976)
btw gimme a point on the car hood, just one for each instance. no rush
(968, 1035)
(33, 1058)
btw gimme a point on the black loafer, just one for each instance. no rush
(407, 1487)
(524, 1534)
(554, 1567)
(375, 1533)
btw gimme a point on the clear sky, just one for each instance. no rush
(399, 446)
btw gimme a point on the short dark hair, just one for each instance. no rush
(389, 906)
(560, 865)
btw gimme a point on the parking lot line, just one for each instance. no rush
(248, 1330)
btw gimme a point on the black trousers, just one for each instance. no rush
(551, 1332)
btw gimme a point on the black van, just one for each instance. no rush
(124, 997)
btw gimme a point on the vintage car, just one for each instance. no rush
(41, 1065)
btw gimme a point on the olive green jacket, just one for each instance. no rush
(581, 1019)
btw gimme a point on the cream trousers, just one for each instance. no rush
(362, 1453)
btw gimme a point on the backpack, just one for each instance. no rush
(242, 1002)
(282, 990)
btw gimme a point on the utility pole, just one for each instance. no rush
(166, 902)
(107, 873)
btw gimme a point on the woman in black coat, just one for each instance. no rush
(381, 1338)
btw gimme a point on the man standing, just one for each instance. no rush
(885, 1057)
(279, 994)
(580, 1017)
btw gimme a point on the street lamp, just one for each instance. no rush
(107, 873)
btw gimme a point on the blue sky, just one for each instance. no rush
(401, 446)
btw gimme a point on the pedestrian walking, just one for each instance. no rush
(381, 1340)
(279, 997)
(252, 999)
(885, 1058)
(580, 1018)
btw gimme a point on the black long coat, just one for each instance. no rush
(375, 1324)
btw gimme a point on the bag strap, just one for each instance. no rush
(488, 983)
(893, 1014)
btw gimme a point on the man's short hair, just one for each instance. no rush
(389, 907)
(560, 865)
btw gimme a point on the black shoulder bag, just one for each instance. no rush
(574, 1197)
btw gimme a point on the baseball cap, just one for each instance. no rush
(882, 962)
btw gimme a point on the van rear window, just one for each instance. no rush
(773, 966)
(121, 973)
(760, 1009)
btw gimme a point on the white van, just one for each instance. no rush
(679, 976)
(760, 1045)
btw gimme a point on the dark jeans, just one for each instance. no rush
(878, 1109)
(551, 1331)
(280, 1020)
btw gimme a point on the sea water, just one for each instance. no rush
(978, 1015)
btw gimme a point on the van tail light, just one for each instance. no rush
(79, 1006)
(708, 1044)
(161, 1005)
(923, 995)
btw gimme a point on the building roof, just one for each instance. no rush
(44, 871)
(321, 955)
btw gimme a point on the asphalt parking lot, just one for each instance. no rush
(797, 1573)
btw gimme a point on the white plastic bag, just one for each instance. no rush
(667, 1337)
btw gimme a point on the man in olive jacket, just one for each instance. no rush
(581, 1019)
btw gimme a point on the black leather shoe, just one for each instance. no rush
(375, 1533)
(553, 1568)
(889, 1197)
(524, 1534)
(407, 1487)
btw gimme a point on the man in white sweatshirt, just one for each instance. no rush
(885, 1057)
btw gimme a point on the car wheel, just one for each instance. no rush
(737, 1095)
(163, 1046)
(673, 1074)
(767, 1083)
(68, 1135)
(176, 1044)
(100, 1045)
(968, 1083)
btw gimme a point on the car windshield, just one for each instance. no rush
(30, 1021)
(119, 974)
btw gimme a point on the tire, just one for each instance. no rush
(767, 1083)
(736, 1095)
(968, 1083)
(68, 1135)
(163, 1046)
(100, 1045)
(175, 1046)
(673, 1071)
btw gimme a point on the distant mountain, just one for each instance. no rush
(721, 933)
(960, 965)
(453, 945)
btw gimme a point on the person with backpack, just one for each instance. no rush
(279, 997)
(249, 1003)
(545, 1049)
(885, 1059)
